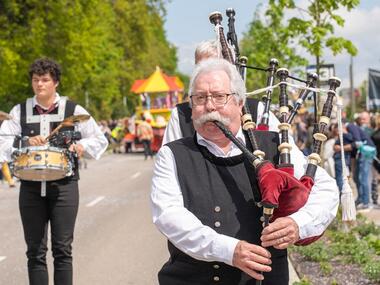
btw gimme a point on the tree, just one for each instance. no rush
(315, 30)
(268, 38)
(102, 46)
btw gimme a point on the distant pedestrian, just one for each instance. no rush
(348, 140)
(376, 139)
(365, 153)
(145, 135)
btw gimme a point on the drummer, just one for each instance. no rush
(34, 120)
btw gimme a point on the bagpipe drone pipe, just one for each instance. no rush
(281, 193)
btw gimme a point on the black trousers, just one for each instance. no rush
(60, 208)
(147, 148)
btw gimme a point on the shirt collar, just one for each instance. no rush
(35, 102)
(217, 151)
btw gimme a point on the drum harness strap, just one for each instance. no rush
(44, 118)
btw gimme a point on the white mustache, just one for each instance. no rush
(209, 117)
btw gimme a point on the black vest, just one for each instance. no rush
(219, 192)
(186, 123)
(33, 129)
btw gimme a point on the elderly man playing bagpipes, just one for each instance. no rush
(204, 192)
(208, 189)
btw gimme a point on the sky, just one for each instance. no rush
(187, 24)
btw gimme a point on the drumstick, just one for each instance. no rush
(56, 130)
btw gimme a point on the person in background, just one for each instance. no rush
(348, 141)
(145, 135)
(361, 149)
(58, 207)
(376, 139)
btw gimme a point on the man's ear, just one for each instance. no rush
(241, 107)
(56, 84)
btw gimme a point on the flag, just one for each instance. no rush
(374, 90)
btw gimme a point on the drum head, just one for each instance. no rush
(47, 174)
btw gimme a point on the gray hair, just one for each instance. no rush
(213, 64)
(206, 49)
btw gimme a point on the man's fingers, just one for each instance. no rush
(282, 245)
(253, 274)
(277, 225)
(253, 269)
(274, 235)
(37, 140)
(259, 258)
(277, 242)
(255, 266)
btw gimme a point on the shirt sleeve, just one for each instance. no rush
(178, 224)
(322, 205)
(93, 140)
(10, 128)
(173, 130)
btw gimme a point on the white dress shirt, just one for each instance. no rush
(93, 140)
(187, 232)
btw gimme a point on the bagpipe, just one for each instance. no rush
(281, 193)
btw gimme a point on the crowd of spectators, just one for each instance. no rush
(361, 145)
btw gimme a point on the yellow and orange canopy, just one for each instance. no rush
(157, 82)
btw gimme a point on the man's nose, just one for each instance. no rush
(210, 106)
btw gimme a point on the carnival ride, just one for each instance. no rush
(158, 94)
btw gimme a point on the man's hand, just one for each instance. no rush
(78, 148)
(37, 141)
(280, 234)
(251, 259)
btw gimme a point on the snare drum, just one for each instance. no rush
(42, 163)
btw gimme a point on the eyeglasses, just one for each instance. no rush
(219, 99)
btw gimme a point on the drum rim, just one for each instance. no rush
(42, 148)
(43, 166)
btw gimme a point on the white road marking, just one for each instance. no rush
(137, 174)
(2, 258)
(96, 201)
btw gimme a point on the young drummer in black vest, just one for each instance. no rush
(60, 204)
(202, 198)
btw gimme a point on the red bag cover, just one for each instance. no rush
(279, 187)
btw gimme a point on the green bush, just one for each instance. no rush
(303, 281)
(372, 270)
(360, 246)
(326, 268)
(315, 252)
(366, 228)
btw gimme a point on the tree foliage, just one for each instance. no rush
(268, 38)
(315, 28)
(102, 46)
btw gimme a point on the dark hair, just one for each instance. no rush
(43, 66)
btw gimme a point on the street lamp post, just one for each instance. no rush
(353, 103)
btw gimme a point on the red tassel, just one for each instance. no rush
(262, 127)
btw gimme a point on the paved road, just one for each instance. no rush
(115, 241)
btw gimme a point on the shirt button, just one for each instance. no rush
(216, 278)
(217, 209)
(216, 266)
(217, 224)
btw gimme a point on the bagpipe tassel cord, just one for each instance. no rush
(346, 199)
